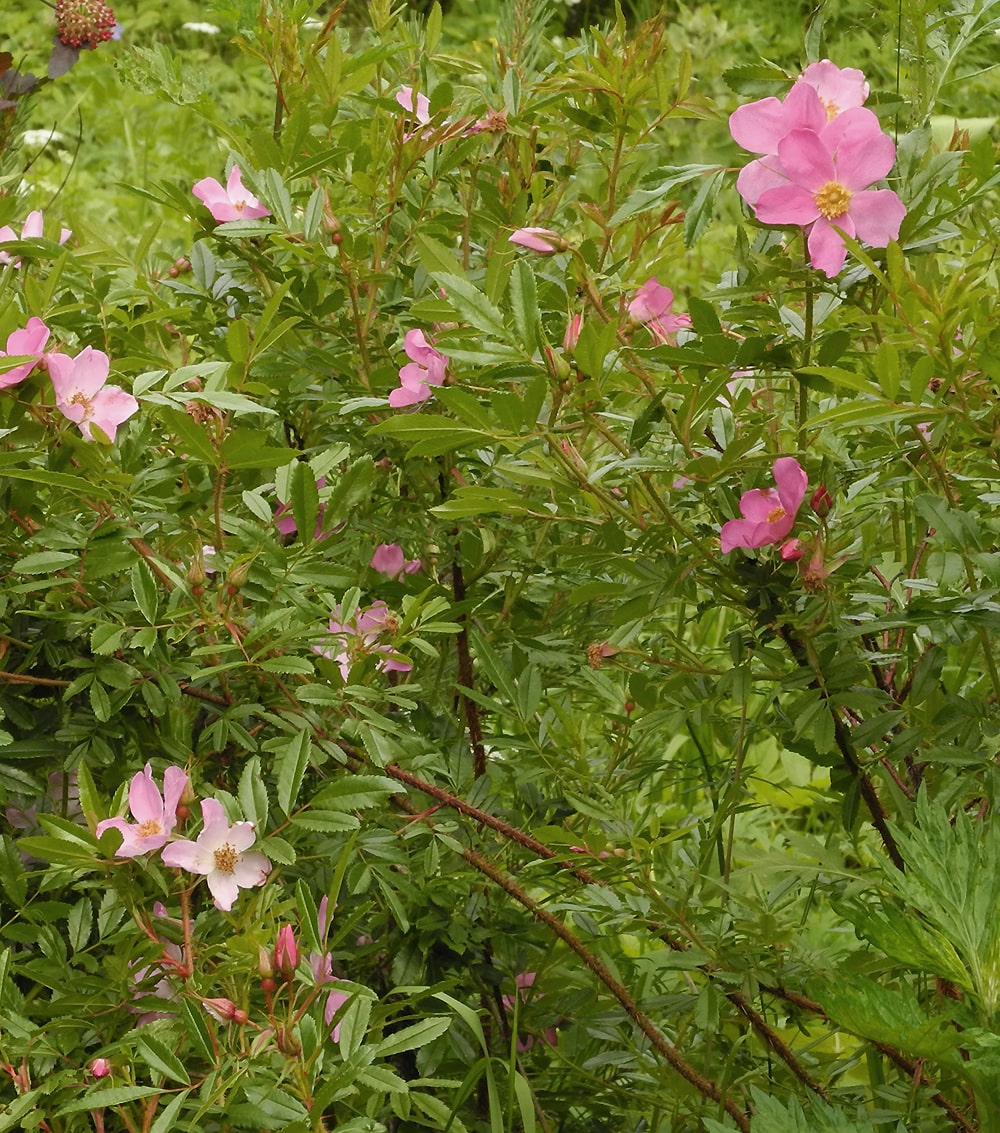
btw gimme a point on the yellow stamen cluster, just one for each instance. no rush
(775, 514)
(226, 858)
(150, 827)
(832, 199)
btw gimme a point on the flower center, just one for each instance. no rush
(832, 109)
(150, 827)
(832, 199)
(775, 514)
(86, 402)
(226, 858)
(239, 205)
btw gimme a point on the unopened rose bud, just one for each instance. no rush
(791, 550)
(237, 577)
(572, 335)
(100, 1068)
(286, 952)
(225, 1010)
(821, 503)
(558, 366)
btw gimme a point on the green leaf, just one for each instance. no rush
(253, 793)
(144, 591)
(45, 562)
(431, 436)
(420, 1034)
(471, 305)
(354, 1024)
(291, 762)
(108, 1096)
(356, 792)
(160, 1058)
(12, 876)
(304, 498)
(524, 304)
(166, 1119)
(698, 217)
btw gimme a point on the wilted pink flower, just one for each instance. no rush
(426, 368)
(421, 110)
(542, 240)
(524, 981)
(359, 638)
(828, 185)
(155, 815)
(83, 396)
(100, 1068)
(839, 88)
(769, 513)
(220, 854)
(30, 230)
(31, 340)
(234, 202)
(651, 306)
(390, 561)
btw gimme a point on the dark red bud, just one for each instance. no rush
(821, 502)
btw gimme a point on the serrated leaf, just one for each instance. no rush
(144, 590)
(166, 1119)
(109, 1096)
(420, 1034)
(45, 562)
(471, 305)
(354, 1025)
(160, 1058)
(698, 217)
(290, 767)
(355, 792)
(303, 495)
(12, 876)
(252, 793)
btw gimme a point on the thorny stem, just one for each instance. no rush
(668, 1052)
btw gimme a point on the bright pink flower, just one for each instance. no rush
(31, 340)
(426, 368)
(761, 127)
(220, 854)
(651, 306)
(768, 514)
(421, 111)
(828, 185)
(83, 396)
(234, 202)
(155, 814)
(100, 1068)
(286, 951)
(840, 88)
(390, 561)
(30, 230)
(542, 240)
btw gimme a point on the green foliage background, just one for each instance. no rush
(747, 846)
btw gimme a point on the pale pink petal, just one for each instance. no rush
(112, 406)
(144, 799)
(856, 122)
(757, 504)
(422, 110)
(758, 126)
(241, 836)
(399, 398)
(61, 369)
(758, 176)
(90, 371)
(215, 832)
(214, 197)
(388, 559)
(32, 226)
(806, 160)
(839, 88)
(651, 300)
(864, 158)
(251, 869)
(417, 347)
(188, 855)
(877, 215)
(175, 782)
(131, 846)
(788, 204)
(826, 248)
(30, 340)
(542, 240)
(224, 889)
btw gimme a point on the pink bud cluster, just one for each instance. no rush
(821, 151)
(80, 384)
(221, 853)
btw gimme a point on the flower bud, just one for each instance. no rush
(821, 502)
(791, 550)
(225, 1010)
(572, 335)
(100, 1068)
(237, 576)
(286, 952)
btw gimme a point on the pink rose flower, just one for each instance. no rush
(234, 202)
(828, 185)
(360, 637)
(31, 340)
(421, 110)
(220, 854)
(155, 814)
(542, 240)
(769, 513)
(83, 396)
(427, 367)
(651, 306)
(840, 88)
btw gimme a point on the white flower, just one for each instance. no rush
(204, 29)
